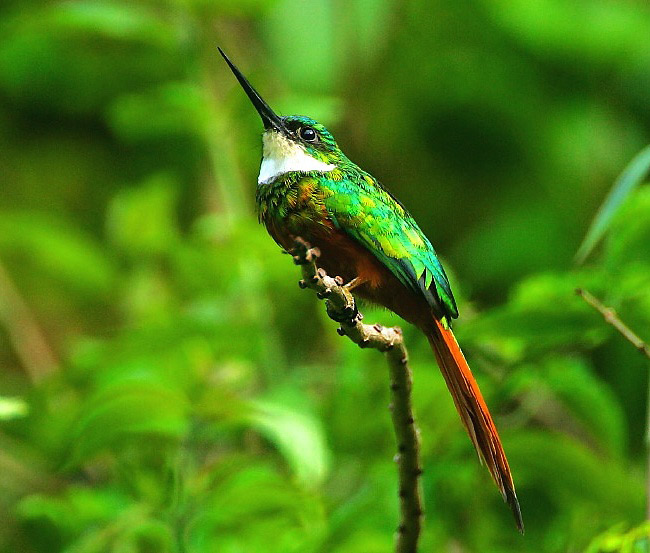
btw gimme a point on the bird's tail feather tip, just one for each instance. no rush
(513, 502)
(474, 413)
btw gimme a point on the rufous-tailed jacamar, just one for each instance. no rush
(307, 187)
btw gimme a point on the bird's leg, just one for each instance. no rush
(358, 281)
(351, 313)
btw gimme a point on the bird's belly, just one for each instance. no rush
(342, 256)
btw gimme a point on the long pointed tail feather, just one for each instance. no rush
(474, 413)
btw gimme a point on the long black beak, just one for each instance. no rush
(269, 117)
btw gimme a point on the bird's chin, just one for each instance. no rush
(277, 145)
(282, 155)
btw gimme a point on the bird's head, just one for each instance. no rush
(290, 143)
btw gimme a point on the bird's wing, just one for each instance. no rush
(369, 214)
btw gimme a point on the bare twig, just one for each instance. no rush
(341, 307)
(611, 317)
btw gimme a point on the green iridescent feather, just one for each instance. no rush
(370, 215)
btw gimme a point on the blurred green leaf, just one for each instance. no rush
(566, 394)
(96, 521)
(311, 67)
(12, 408)
(543, 312)
(113, 20)
(256, 508)
(619, 540)
(168, 110)
(132, 409)
(627, 248)
(238, 8)
(54, 247)
(568, 472)
(606, 30)
(74, 510)
(632, 176)
(297, 435)
(142, 221)
(57, 58)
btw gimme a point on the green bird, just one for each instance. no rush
(308, 187)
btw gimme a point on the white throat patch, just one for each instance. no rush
(281, 155)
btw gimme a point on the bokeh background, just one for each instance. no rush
(166, 387)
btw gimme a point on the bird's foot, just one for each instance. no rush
(303, 253)
(348, 315)
(354, 283)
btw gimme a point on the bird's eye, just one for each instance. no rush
(307, 134)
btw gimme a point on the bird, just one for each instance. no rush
(308, 187)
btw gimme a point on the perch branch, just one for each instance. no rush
(341, 307)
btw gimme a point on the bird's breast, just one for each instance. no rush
(294, 205)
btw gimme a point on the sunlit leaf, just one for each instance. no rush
(297, 435)
(12, 408)
(620, 540)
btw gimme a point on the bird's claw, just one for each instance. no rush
(348, 315)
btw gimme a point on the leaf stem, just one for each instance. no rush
(631, 177)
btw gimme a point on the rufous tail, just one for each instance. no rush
(474, 412)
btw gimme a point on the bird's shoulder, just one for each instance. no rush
(361, 206)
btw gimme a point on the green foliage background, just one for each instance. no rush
(166, 387)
